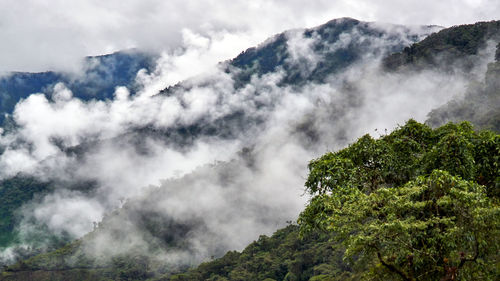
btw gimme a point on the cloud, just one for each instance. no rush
(155, 149)
(41, 35)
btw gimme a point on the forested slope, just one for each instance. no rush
(480, 104)
(101, 74)
(440, 184)
(437, 189)
(303, 55)
(417, 204)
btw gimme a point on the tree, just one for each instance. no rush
(434, 226)
(418, 204)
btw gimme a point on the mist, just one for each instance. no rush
(40, 36)
(214, 190)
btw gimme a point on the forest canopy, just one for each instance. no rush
(416, 204)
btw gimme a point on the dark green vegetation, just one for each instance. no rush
(407, 206)
(447, 49)
(416, 204)
(323, 51)
(335, 46)
(279, 52)
(284, 256)
(101, 76)
(14, 193)
(457, 49)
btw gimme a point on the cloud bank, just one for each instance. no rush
(155, 148)
(55, 35)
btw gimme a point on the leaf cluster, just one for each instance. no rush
(417, 204)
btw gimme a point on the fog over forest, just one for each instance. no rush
(219, 156)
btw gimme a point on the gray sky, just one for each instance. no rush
(194, 36)
(37, 35)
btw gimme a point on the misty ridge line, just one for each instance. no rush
(60, 94)
(113, 26)
(270, 129)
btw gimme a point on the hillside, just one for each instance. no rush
(390, 161)
(394, 161)
(458, 49)
(152, 235)
(14, 193)
(100, 76)
(324, 52)
(479, 105)
(331, 49)
(315, 54)
(283, 256)
(444, 48)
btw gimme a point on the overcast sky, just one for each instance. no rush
(38, 35)
(193, 35)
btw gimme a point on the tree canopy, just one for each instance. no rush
(417, 204)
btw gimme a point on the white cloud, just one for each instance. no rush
(41, 35)
(202, 35)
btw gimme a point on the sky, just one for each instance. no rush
(192, 36)
(39, 35)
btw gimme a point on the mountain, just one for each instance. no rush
(328, 44)
(479, 105)
(314, 54)
(164, 237)
(100, 76)
(326, 50)
(458, 49)
(286, 255)
(15, 192)
(296, 59)
(311, 251)
(315, 251)
(447, 48)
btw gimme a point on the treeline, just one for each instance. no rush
(417, 204)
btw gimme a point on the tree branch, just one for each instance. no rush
(463, 259)
(393, 268)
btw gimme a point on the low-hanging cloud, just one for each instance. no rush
(55, 35)
(280, 130)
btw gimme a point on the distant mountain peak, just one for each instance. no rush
(337, 44)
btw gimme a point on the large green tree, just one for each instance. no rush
(417, 204)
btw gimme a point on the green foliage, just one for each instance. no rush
(434, 226)
(446, 47)
(417, 204)
(454, 152)
(275, 53)
(71, 263)
(284, 256)
(14, 192)
(405, 206)
(404, 196)
(412, 150)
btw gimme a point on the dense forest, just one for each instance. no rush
(418, 203)
(118, 68)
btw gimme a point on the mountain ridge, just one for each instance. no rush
(171, 93)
